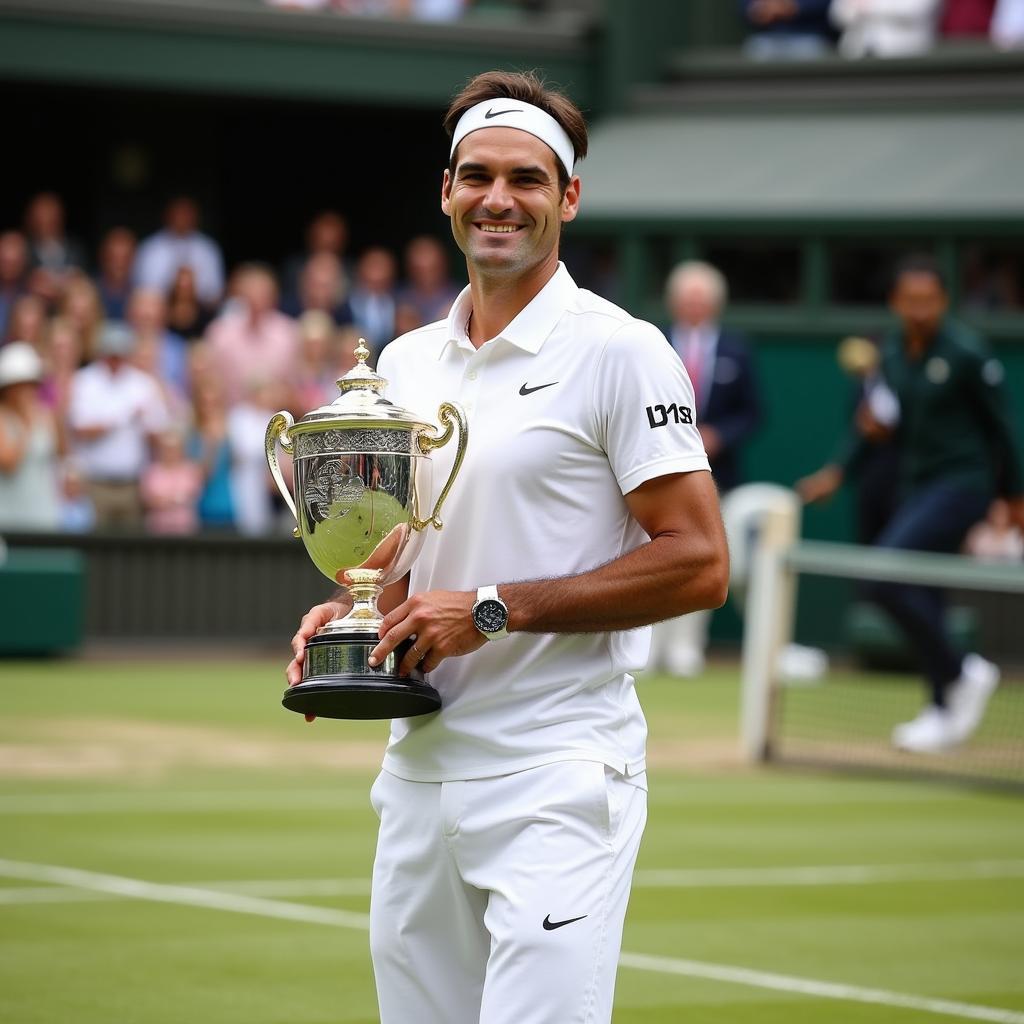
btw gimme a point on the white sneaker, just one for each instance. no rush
(968, 696)
(929, 733)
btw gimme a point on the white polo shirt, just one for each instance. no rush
(572, 406)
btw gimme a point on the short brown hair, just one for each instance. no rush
(526, 87)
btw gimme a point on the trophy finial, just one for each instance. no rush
(362, 353)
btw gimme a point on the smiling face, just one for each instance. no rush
(505, 203)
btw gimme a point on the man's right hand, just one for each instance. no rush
(317, 617)
(821, 485)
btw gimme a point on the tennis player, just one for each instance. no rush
(510, 820)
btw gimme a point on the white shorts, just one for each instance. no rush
(501, 900)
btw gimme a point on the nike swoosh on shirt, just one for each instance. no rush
(550, 926)
(524, 390)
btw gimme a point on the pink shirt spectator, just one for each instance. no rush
(170, 493)
(248, 350)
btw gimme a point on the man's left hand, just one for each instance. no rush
(442, 623)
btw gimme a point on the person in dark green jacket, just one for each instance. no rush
(957, 452)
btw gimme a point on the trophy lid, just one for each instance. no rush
(360, 404)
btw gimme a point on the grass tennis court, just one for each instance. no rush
(174, 846)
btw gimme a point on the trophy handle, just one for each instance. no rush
(277, 430)
(449, 414)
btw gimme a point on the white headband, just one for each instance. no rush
(505, 113)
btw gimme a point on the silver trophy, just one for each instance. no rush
(362, 473)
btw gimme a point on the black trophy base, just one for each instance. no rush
(338, 682)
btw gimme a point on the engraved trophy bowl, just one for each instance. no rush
(362, 478)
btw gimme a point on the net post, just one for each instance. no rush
(770, 605)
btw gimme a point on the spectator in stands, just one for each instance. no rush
(207, 445)
(62, 357)
(1007, 30)
(27, 320)
(317, 368)
(326, 232)
(373, 296)
(186, 315)
(13, 274)
(885, 28)
(157, 349)
(29, 498)
(51, 253)
(77, 514)
(115, 412)
(252, 487)
(254, 340)
(171, 486)
(728, 413)
(181, 244)
(966, 18)
(81, 307)
(787, 29)
(428, 288)
(957, 451)
(996, 538)
(322, 286)
(114, 280)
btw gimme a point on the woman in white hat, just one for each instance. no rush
(29, 497)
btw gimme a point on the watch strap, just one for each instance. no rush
(490, 593)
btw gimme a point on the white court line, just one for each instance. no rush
(829, 874)
(206, 801)
(695, 878)
(190, 896)
(822, 989)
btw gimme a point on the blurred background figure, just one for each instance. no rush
(186, 315)
(13, 273)
(207, 446)
(27, 320)
(158, 350)
(885, 28)
(327, 232)
(253, 339)
(253, 491)
(1007, 31)
(728, 412)
(181, 244)
(62, 357)
(82, 308)
(997, 538)
(322, 288)
(373, 297)
(116, 410)
(787, 29)
(116, 258)
(956, 452)
(316, 372)
(29, 496)
(51, 253)
(77, 513)
(428, 288)
(171, 486)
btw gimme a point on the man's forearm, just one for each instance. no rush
(659, 580)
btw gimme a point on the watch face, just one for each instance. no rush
(490, 616)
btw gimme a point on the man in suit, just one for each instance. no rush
(728, 411)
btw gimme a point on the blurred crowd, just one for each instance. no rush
(795, 29)
(136, 385)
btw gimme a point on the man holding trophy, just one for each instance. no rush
(510, 818)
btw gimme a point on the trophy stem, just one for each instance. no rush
(364, 616)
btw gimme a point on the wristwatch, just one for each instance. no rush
(490, 613)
